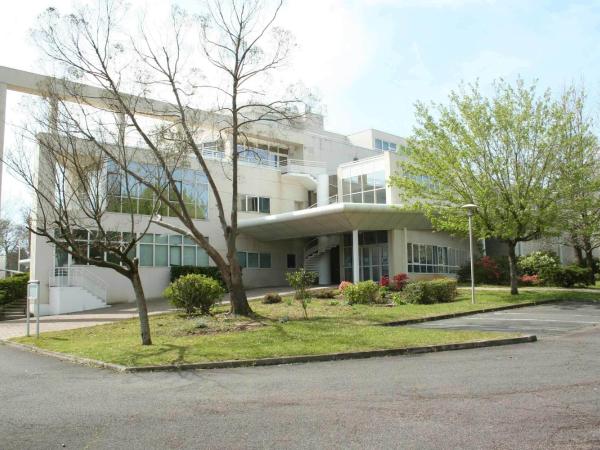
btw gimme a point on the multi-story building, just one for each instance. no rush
(308, 198)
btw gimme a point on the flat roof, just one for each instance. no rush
(332, 219)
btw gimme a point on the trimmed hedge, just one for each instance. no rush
(193, 292)
(13, 288)
(432, 291)
(566, 276)
(211, 272)
(271, 298)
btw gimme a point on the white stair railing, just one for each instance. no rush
(79, 277)
(303, 166)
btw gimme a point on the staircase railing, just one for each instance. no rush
(79, 277)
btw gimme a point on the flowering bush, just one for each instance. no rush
(536, 262)
(488, 270)
(399, 281)
(384, 281)
(530, 280)
(343, 285)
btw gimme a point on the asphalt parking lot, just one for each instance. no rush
(542, 320)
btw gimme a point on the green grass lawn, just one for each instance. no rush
(279, 330)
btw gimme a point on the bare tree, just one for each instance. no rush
(72, 184)
(12, 236)
(228, 41)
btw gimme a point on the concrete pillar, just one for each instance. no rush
(42, 253)
(324, 264)
(355, 257)
(397, 252)
(323, 189)
(2, 126)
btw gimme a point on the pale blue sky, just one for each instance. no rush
(372, 59)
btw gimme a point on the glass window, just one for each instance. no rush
(175, 255)
(392, 147)
(242, 260)
(378, 144)
(291, 261)
(265, 205)
(386, 145)
(146, 255)
(201, 257)
(380, 196)
(252, 204)
(189, 255)
(265, 260)
(162, 256)
(252, 260)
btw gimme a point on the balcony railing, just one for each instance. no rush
(303, 166)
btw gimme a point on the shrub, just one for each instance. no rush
(488, 270)
(442, 290)
(343, 285)
(384, 281)
(535, 262)
(194, 292)
(13, 288)
(399, 281)
(324, 293)
(530, 280)
(300, 280)
(365, 292)
(212, 272)
(271, 298)
(566, 276)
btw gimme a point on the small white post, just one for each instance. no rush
(33, 293)
(2, 124)
(355, 257)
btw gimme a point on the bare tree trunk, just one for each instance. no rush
(140, 300)
(237, 293)
(512, 267)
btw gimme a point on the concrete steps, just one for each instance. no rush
(14, 310)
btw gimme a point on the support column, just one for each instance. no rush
(42, 252)
(355, 257)
(323, 190)
(2, 127)
(324, 263)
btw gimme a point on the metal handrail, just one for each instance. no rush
(79, 277)
(330, 201)
(303, 162)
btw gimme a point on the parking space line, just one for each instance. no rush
(508, 319)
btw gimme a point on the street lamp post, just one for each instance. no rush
(471, 208)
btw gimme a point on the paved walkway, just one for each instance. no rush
(16, 328)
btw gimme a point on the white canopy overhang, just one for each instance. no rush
(332, 219)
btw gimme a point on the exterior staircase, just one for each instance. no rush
(315, 248)
(76, 288)
(14, 310)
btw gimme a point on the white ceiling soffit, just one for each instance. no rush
(332, 219)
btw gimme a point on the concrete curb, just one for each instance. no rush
(278, 360)
(400, 323)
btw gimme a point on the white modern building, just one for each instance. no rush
(309, 198)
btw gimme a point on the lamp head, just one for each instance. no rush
(470, 207)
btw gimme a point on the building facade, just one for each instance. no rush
(308, 198)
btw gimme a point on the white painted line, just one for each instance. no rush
(532, 320)
(539, 315)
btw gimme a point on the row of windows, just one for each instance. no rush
(127, 195)
(264, 154)
(254, 260)
(251, 203)
(385, 145)
(158, 250)
(424, 258)
(367, 188)
(367, 237)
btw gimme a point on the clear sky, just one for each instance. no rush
(370, 60)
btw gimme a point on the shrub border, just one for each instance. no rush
(228, 364)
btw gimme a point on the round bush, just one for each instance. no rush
(536, 262)
(194, 292)
(365, 292)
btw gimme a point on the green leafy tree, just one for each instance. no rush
(580, 215)
(502, 153)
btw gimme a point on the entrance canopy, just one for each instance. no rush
(332, 219)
